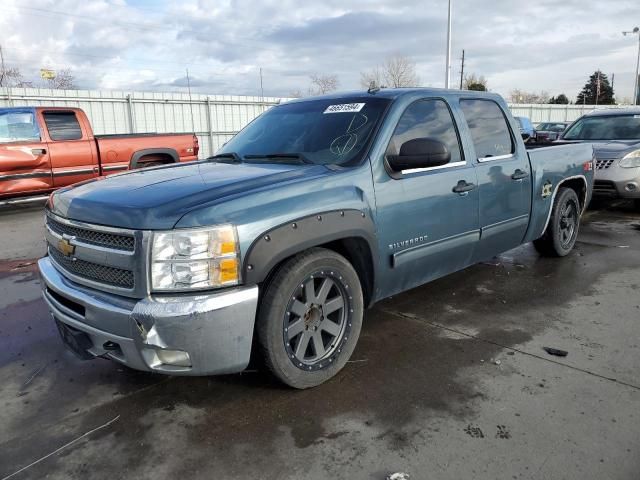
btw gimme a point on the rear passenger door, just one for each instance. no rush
(504, 177)
(71, 149)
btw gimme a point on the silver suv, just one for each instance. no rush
(615, 135)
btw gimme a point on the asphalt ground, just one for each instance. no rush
(449, 381)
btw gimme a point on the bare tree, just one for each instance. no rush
(62, 81)
(12, 77)
(374, 76)
(520, 96)
(321, 84)
(400, 71)
(295, 94)
(474, 82)
(396, 71)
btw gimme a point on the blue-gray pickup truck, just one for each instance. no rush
(316, 210)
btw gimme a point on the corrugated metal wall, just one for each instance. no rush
(555, 113)
(214, 118)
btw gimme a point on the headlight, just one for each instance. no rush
(195, 259)
(631, 160)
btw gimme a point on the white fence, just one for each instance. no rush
(214, 118)
(555, 113)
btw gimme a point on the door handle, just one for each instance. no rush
(519, 174)
(463, 187)
(38, 151)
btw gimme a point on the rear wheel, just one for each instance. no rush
(561, 233)
(310, 318)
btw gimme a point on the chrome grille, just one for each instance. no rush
(116, 277)
(94, 237)
(605, 163)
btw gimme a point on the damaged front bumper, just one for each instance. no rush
(181, 334)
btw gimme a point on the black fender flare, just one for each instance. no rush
(153, 151)
(295, 236)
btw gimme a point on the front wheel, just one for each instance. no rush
(562, 231)
(310, 318)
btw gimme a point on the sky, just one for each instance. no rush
(550, 45)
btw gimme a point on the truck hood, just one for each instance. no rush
(156, 198)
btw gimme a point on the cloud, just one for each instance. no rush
(118, 44)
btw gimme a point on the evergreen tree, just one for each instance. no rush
(598, 85)
(560, 99)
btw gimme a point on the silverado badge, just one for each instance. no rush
(546, 189)
(64, 245)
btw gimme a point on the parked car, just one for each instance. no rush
(550, 131)
(527, 131)
(44, 148)
(615, 136)
(316, 210)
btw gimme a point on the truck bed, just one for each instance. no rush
(552, 165)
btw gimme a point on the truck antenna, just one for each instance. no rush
(373, 88)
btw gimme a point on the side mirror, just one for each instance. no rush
(420, 153)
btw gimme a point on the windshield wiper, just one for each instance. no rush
(232, 156)
(286, 157)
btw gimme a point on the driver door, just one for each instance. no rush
(427, 229)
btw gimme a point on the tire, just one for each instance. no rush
(561, 233)
(303, 345)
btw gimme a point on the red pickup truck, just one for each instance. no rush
(45, 148)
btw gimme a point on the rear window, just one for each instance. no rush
(18, 127)
(62, 125)
(609, 127)
(488, 127)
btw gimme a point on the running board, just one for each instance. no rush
(23, 200)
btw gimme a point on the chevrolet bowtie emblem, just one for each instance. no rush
(64, 245)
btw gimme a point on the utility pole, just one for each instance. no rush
(462, 70)
(613, 77)
(447, 77)
(193, 126)
(261, 89)
(2, 72)
(635, 31)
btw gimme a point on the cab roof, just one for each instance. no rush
(394, 93)
(609, 112)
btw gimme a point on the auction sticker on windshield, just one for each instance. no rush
(344, 108)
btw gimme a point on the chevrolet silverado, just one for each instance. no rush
(316, 210)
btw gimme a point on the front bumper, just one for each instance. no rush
(617, 182)
(215, 330)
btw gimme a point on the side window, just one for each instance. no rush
(17, 126)
(427, 119)
(488, 126)
(62, 125)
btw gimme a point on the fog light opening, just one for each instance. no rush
(631, 187)
(174, 358)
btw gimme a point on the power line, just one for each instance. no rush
(106, 57)
(247, 42)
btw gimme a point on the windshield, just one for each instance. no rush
(609, 127)
(553, 127)
(325, 132)
(18, 126)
